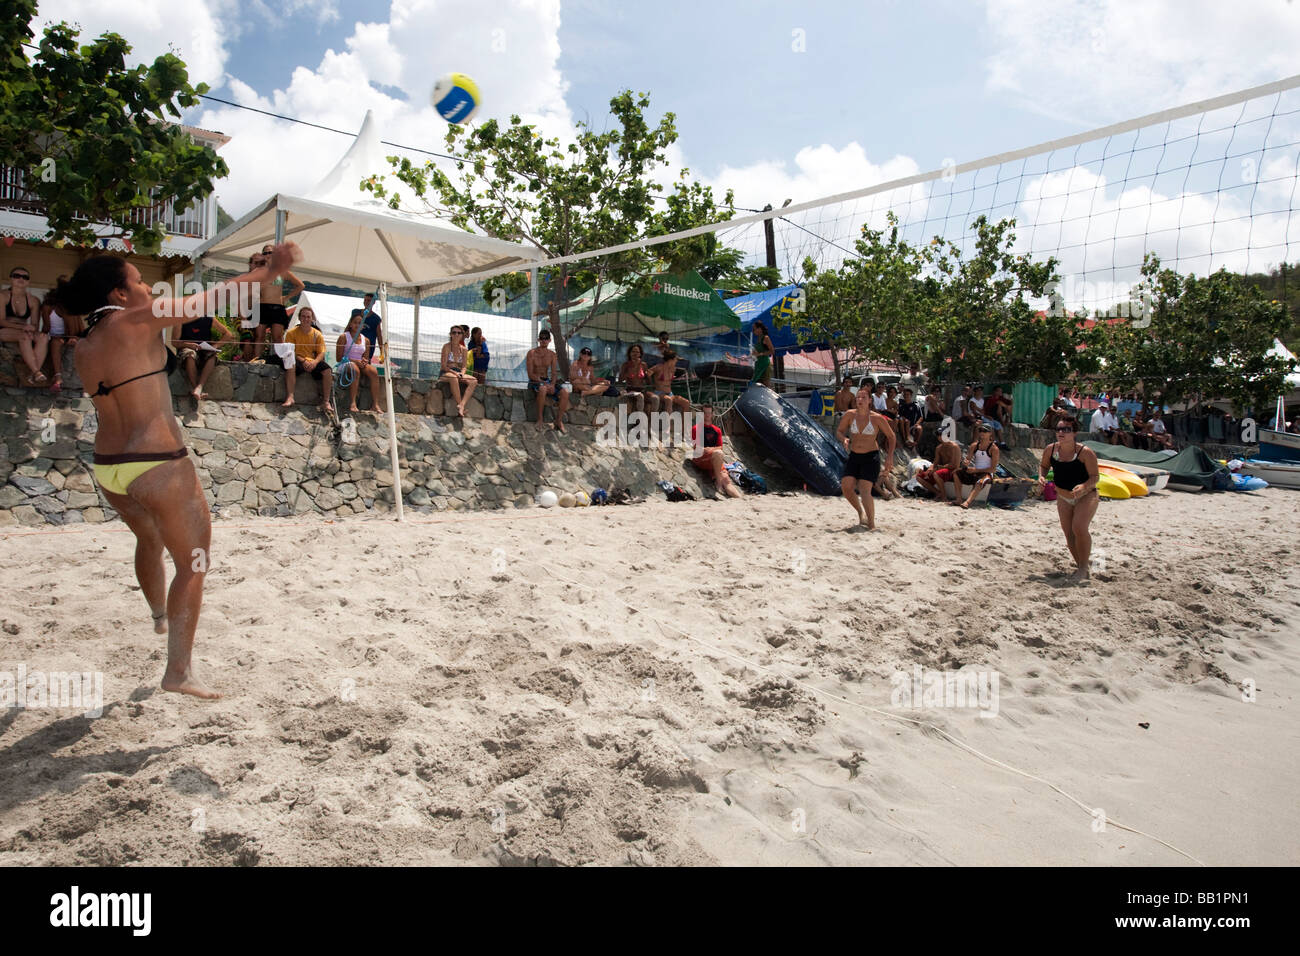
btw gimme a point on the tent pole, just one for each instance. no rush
(280, 217)
(388, 391)
(415, 338)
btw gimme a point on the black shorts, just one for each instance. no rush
(272, 314)
(933, 417)
(554, 394)
(315, 373)
(863, 466)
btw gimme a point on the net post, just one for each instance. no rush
(415, 337)
(388, 391)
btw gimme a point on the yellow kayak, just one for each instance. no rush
(1137, 487)
(1109, 487)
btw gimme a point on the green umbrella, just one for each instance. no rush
(674, 304)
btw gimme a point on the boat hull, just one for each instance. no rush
(1277, 474)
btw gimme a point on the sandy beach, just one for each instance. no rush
(694, 683)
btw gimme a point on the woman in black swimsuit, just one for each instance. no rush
(19, 323)
(140, 458)
(1074, 472)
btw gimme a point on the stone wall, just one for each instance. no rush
(254, 457)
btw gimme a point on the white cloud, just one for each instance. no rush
(513, 57)
(1099, 61)
(198, 30)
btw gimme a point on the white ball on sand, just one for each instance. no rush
(567, 500)
(584, 499)
(547, 499)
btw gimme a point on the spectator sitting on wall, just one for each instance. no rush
(544, 380)
(634, 380)
(934, 405)
(350, 356)
(1104, 423)
(997, 408)
(308, 358)
(583, 376)
(454, 356)
(192, 341)
(479, 355)
(1157, 433)
(658, 349)
(19, 323)
(962, 412)
(909, 420)
(63, 332)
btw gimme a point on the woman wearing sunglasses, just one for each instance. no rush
(583, 376)
(19, 324)
(1074, 472)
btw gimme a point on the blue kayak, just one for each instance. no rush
(794, 439)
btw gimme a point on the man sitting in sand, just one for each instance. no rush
(947, 459)
(711, 460)
(309, 358)
(544, 381)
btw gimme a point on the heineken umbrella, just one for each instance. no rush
(676, 304)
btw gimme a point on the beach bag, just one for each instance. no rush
(752, 483)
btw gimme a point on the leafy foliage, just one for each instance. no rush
(1208, 338)
(94, 136)
(596, 190)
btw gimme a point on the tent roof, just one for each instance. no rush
(771, 306)
(675, 304)
(352, 238)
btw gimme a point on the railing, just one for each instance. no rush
(190, 221)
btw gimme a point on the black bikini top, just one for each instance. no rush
(167, 369)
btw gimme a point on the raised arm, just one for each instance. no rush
(162, 312)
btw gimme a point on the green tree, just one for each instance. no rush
(962, 318)
(726, 271)
(596, 190)
(93, 136)
(1207, 338)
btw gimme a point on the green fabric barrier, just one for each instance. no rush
(1191, 466)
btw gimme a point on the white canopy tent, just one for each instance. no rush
(354, 239)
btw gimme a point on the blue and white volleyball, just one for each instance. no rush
(455, 97)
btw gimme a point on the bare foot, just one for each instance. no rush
(965, 504)
(160, 623)
(862, 519)
(460, 410)
(189, 684)
(329, 409)
(287, 402)
(354, 410)
(559, 428)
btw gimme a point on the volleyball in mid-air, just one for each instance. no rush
(455, 97)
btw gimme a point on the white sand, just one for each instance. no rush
(506, 713)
